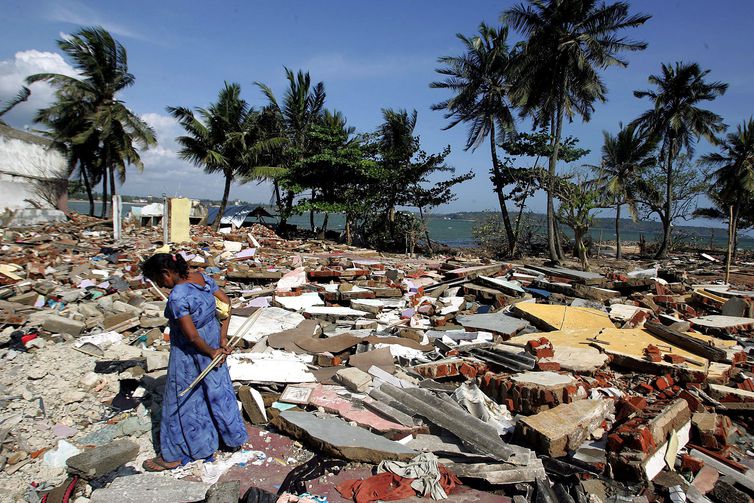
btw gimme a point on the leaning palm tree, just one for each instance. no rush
(624, 157)
(220, 138)
(301, 108)
(19, 98)
(678, 123)
(478, 80)
(733, 181)
(556, 74)
(102, 64)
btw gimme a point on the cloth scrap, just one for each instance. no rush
(398, 480)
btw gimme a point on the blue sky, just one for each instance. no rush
(370, 55)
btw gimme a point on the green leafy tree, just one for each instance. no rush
(402, 177)
(625, 157)
(221, 138)
(556, 74)
(579, 197)
(522, 172)
(106, 122)
(678, 122)
(688, 183)
(479, 83)
(732, 187)
(301, 109)
(333, 168)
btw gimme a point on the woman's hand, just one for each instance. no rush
(223, 352)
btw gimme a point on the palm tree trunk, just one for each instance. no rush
(286, 211)
(510, 236)
(349, 238)
(324, 223)
(112, 181)
(668, 220)
(103, 212)
(551, 230)
(224, 202)
(731, 233)
(88, 187)
(426, 232)
(737, 218)
(311, 211)
(617, 232)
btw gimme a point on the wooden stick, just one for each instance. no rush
(232, 343)
(157, 289)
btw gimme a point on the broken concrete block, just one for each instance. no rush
(157, 360)
(150, 487)
(61, 325)
(338, 438)
(354, 379)
(96, 462)
(152, 322)
(557, 431)
(497, 323)
(224, 492)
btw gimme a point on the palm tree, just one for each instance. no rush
(19, 98)
(678, 122)
(556, 74)
(733, 181)
(479, 82)
(396, 144)
(302, 107)
(118, 133)
(65, 120)
(624, 157)
(220, 138)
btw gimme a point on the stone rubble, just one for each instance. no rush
(616, 384)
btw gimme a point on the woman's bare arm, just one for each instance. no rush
(192, 334)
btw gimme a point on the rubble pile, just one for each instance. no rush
(458, 378)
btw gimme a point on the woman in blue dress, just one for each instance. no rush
(195, 425)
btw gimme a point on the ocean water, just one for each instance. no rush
(458, 232)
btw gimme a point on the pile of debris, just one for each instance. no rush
(458, 378)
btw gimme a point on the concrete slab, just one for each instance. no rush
(298, 302)
(338, 438)
(150, 488)
(556, 317)
(336, 313)
(551, 379)
(724, 323)
(497, 323)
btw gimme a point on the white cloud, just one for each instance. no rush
(79, 14)
(13, 73)
(336, 66)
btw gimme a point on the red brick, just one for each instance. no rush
(661, 383)
(674, 359)
(691, 464)
(548, 366)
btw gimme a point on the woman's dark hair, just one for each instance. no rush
(154, 265)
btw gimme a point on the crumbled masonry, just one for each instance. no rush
(633, 382)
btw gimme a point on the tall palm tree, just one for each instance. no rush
(556, 74)
(65, 120)
(301, 108)
(678, 122)
(119, 133)
(220, 138)
(396, 144)
(479, 82)
(624, 157)
(733, 181)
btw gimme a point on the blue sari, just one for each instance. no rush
(193, 425)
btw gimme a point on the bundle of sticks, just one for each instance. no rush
(233, 342)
